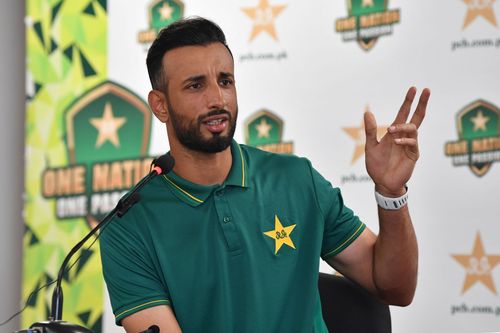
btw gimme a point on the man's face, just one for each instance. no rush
(201, 96)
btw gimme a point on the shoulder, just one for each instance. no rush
(260, 160)
(131, 224)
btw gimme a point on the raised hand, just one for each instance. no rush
(390, 161)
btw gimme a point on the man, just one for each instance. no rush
(230, 240)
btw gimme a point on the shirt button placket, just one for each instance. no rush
(225, 220)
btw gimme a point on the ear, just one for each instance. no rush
(158, 104)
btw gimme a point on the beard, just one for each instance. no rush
(189, 132)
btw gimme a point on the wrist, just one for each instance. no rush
(390, 193)
(391, 203)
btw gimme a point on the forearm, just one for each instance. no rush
(395, 259)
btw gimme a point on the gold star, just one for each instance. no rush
(108, 127)
(367, 3)
(478, 266)
(477, 8)
(480, 121)
(263, 18)
(281, 234)
(263, 128)
(166, 11)
(358, 135)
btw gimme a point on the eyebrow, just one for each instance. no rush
(194, 78)
(198, 78)
(226, 75)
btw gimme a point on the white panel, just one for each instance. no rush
(324, 84)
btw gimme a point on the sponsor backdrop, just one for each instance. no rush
(306, 71)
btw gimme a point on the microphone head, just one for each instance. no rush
(155, 328)
(163, 164)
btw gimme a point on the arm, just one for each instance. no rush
(138, 295)
(387, 264)
(162, 316)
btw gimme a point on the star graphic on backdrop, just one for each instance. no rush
(478, 266)
(367, 3)
(480, 121)
(263, 128)
(166, 11)
(108, 127)
(263, 18)
(477, 8)
(358, 135)
(280, 234)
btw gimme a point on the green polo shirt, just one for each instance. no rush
(242, 256)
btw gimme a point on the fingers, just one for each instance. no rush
(403, 130)
(406, 135)
(411, 145)
(370, 130)
(404, 110)
(410, 142)
(419, 114)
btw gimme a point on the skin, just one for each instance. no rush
(199, 79)
(386, 264)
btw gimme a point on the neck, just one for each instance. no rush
(201, 168)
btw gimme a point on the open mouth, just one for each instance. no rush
(216, 124)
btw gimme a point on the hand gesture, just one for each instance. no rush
(390, 161)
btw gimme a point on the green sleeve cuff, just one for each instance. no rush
(137, 308)
(345, 243)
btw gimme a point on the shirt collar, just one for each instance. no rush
(195, 194)
(238, 175)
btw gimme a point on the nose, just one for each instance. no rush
(215, 97)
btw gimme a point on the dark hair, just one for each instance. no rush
(185, 32)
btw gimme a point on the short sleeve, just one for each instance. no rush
(129, 271)
(341, 227)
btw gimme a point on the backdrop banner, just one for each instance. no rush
(306, 71)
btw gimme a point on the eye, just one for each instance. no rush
(226, 82)
(194, 86)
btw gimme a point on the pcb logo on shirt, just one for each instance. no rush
(478, 147)
(107, 138)
(264, 130)
(160, 14)
(282, 235)
(367, 21)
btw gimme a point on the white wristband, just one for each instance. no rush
(391, 203)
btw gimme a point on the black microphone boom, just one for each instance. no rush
(161, 165)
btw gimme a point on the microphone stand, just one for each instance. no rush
(55, 324)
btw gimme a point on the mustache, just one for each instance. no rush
(212, 113)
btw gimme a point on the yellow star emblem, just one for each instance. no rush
(263, 128)
(280, 234)
(358, 135)
(477, 8)
(108, 127)
(263, 18)
(479, 121)
(478, 266)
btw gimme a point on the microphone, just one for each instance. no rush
(161, 165)
(152, 329)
